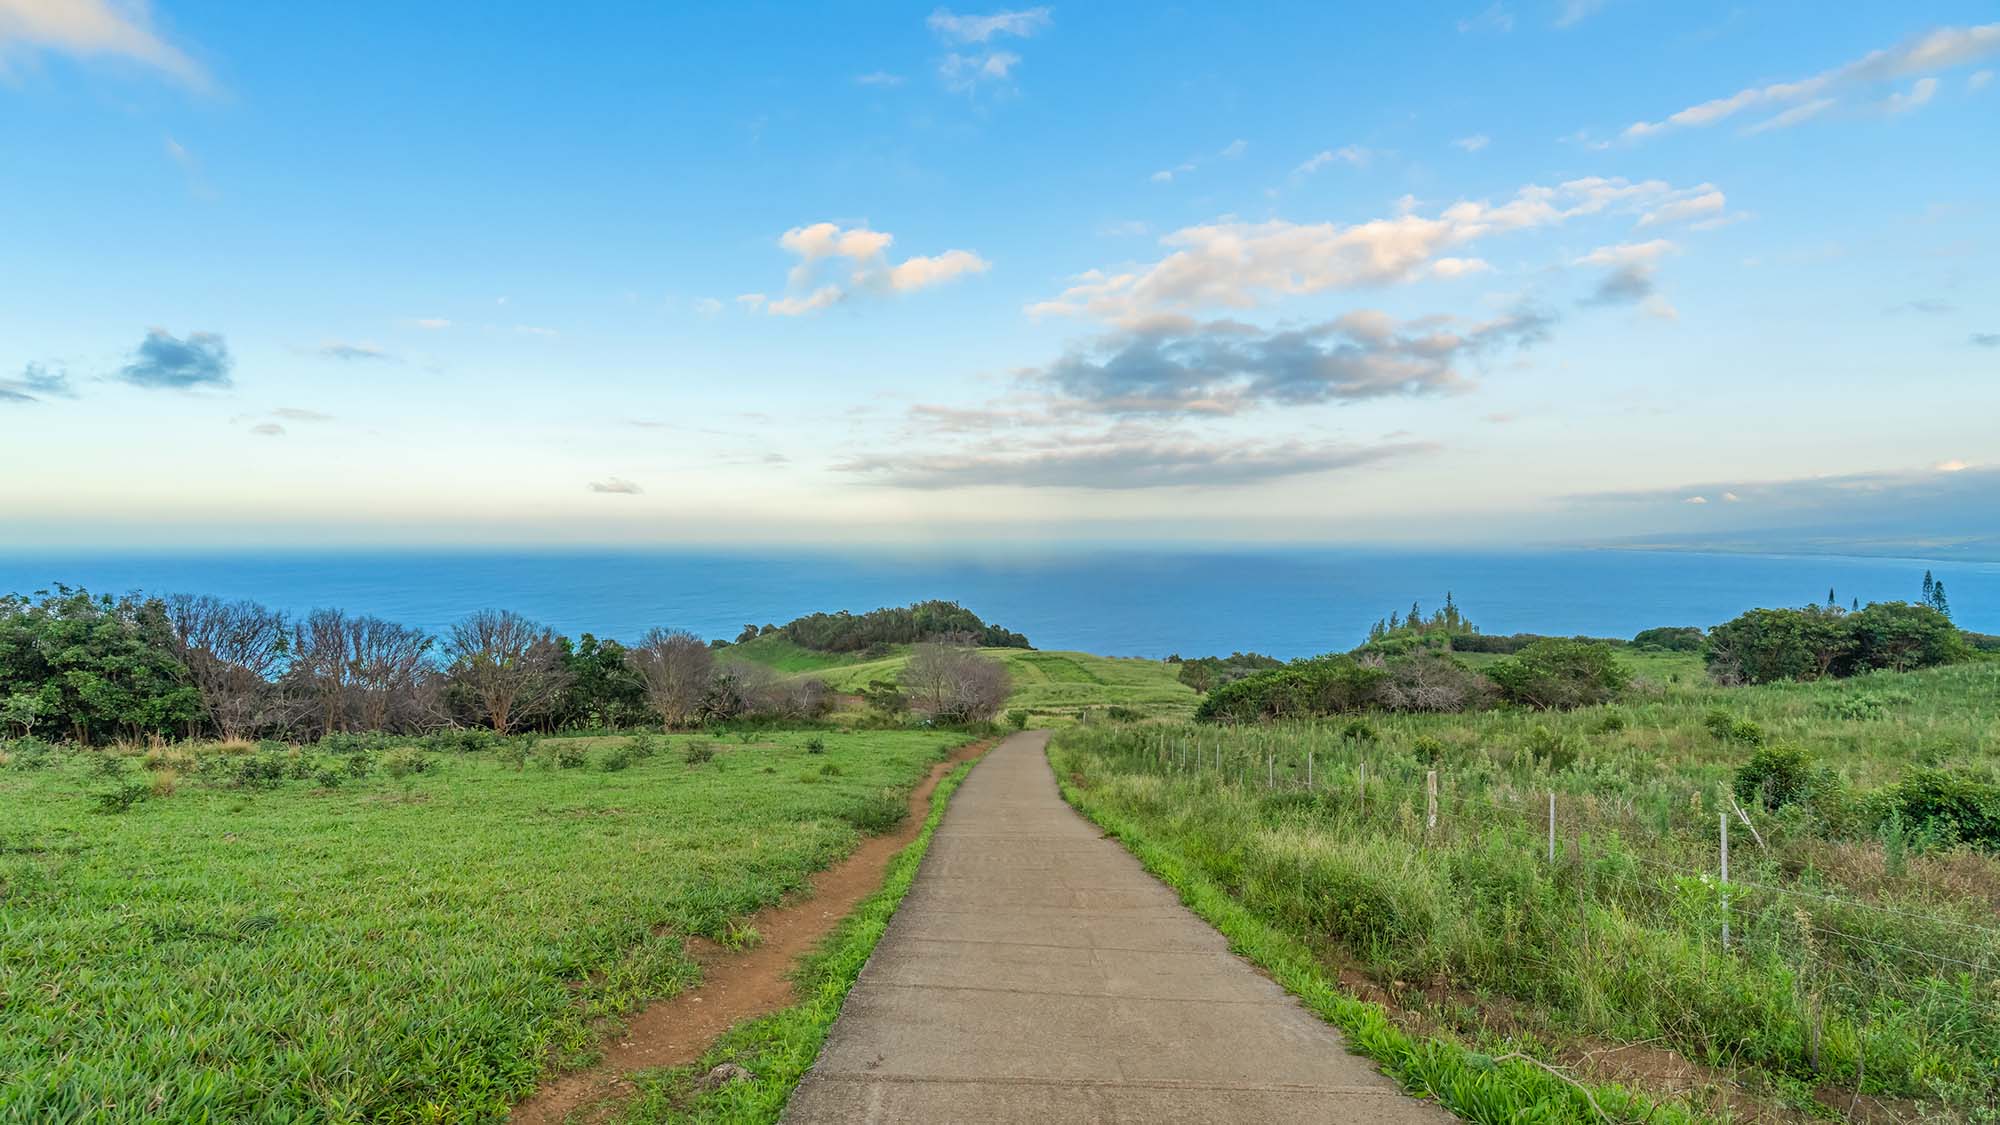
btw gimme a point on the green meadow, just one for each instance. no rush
(1863, 955)
(273, 935)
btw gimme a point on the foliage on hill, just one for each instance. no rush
(1206, 672)
(92, 668)
(1670, 638)
(924, 621)
(1820, 641)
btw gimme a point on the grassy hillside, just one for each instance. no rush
(779, 652)
(1057, 686)
(340, 943)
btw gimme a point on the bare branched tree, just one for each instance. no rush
(955, 684)
(233, 651)
(322, 668)
(510, 666)
(385, 662)
(676, 666)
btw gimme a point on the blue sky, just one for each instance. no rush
(1485, 272)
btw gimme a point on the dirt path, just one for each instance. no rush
(734, 986)
(1036, 972)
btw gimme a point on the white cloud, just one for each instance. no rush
(1952, 465)
(1793, 116)
(1626, 253)
(616, 486)
(1919, 93)
(1236, 264)
(866, 267)
(964, 73)
(707, 306)
(1695, 500)
(919, 272)
(1234, 149)
(1705, 205)
(1474, 142)
(1979, 80)
(1934, 51)
(954, 28)
(432, 323)
(1731, 498)
(89, 28)
(1353, 155)
(878, 78)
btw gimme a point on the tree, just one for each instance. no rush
(675, 666)
(1559, 674)
(604, 689)
(320, 667)
(233, 652)
(96, 667)
(1766, 645)
(954, 683)
(385, 663)
(1900, 636)
(510, 666)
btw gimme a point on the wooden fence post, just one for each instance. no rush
(1431, 801)
(1723, 819)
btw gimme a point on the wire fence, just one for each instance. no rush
(1559, 828)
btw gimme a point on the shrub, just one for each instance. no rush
(1612, 722)
(1946, 806)
(952, 684)
(164, 783)
(108, 764)
(815, 745)
(697, 753)
(1550, 749)
(1121, 714)
(615, 759)
(1018, 719)
(514, 753)
(1428, 748)
(1558, 675)
(1325, 685)
(879, 813)
(830, 770)
(408, 762)
(1776, 776)
(262, 771)
(327, 778)
(1900, 636)
(1669, 638)
(1359, 729)
(360, 765)
(121, 799)
(645, 744)
(1717, 722)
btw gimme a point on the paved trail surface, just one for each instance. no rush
(1036, 973)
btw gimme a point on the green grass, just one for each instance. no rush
(778, 652)
(1058, 686)
(778, 1049)
(386, 950)
(1856, 958)
(1473, 1084)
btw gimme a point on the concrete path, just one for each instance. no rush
(1036, 973)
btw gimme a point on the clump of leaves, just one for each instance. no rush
(1428, 748)
(1359, 729)
(408, 762)
(615, 759)
(645, 744)
(514, 753)
(815, 745)
(1550, 749)
(1611, 723)
(262, 771)
(1018, 718)
(1776, 776)
(327, 778)
(108, 764)
(121, 799)
(829, 770)
(359, 765)
(698, 752)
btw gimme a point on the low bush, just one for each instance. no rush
(1560, 675)
(121, 799)
(263, 771)
(408, 762)
(815, 745)
(615, 759)
(1946, 806)
(879, 813)
(698, 752)
(1776, 776)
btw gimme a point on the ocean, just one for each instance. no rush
(1287, 603)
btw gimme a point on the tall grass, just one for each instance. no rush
(1852, 961)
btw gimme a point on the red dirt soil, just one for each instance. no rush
(735, 986)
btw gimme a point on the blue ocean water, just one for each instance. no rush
(1124, 603)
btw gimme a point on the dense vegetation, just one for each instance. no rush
(880, 628)
(379, 931)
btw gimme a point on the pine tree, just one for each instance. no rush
(1937, 600)
(1856, 607)
(1829, 597)
(1930, 587)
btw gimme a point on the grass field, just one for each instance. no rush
(1055, 687)
(1859, 958)
(413, 949)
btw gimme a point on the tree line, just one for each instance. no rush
(939, 621)
(99, 668)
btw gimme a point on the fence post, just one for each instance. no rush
(1723, 820)
(1270, 769)
(1431, 801)
(1552, 826)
